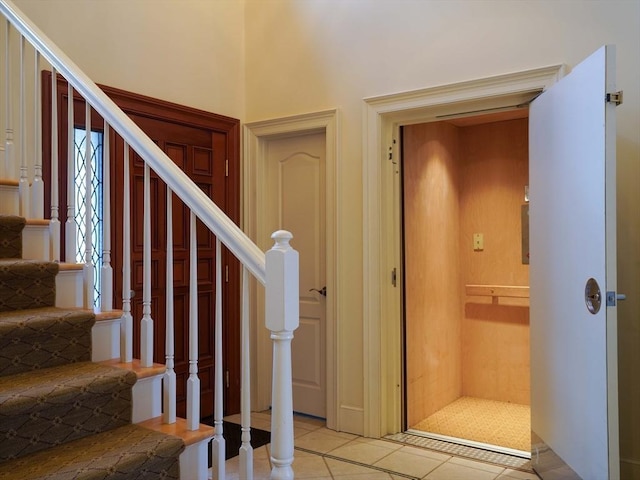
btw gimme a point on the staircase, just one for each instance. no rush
(62, 415)
(74, 403)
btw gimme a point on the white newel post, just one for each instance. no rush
(282, 318)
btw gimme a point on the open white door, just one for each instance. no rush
(574, 393)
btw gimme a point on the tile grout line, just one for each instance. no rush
(353, 462)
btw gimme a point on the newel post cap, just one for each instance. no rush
(282, 286)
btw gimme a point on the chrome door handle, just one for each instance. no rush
(322, 291)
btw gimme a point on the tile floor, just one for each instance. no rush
(321, 453)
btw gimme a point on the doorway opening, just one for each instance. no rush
(466, 280)
(382, 299)
(260, 139)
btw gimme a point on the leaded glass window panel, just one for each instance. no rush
(95, 205)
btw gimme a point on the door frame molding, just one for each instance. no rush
(383, 117)
(256, 136)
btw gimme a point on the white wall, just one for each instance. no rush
(188, 52)
(309, 55)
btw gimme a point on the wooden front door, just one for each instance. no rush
(206, 147)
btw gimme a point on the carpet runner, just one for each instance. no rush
(62, 416)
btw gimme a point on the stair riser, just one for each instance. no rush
(35, 242)
(34, 339)
(26, 284)
(62, 409)
(9, 204)
(147, 398)
(105, 337)
(69, 289)
(194, 460)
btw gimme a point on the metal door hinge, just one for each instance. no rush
(615, 98)
(394, 277)
(226, 273)
(226, 375)
(226, 168)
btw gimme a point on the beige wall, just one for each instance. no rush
(308, 55)
(188, 51)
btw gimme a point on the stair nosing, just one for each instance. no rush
(179, 429)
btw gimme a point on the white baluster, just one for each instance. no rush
(88, 234)
(282, 318)
(23, 185)
(169, 381)
(54, 224)
(126, 327)
(246, 450)
(193, 383)
(106, 293)
(70, 232)
(146, 324)
(7, 167)
(218, 445)
(37, 187)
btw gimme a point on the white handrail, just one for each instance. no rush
(193, 197)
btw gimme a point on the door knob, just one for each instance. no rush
(322, 291)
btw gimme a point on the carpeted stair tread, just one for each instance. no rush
(43, 337)
(27, 284)
(11, 236)
(42, 408)
(128, 452)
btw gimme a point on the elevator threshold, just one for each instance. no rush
(491, 425)
(471, 443)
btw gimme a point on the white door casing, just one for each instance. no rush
(256, 137)
(383, 117)
(574, 417)
(295, 202)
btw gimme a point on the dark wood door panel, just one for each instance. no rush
(206, 147)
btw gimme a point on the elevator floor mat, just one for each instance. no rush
(485, 421)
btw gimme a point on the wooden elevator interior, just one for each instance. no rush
(462, 336)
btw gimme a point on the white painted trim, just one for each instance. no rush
(256, 135)
(35, 241)
(382, 117)
(147, 398)
(193, 461)
(105, 340)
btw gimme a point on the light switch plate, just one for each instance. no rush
(478, 241)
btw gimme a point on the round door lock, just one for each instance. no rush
(592, 296)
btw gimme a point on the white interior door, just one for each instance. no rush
(296, 185)
(574, 418)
